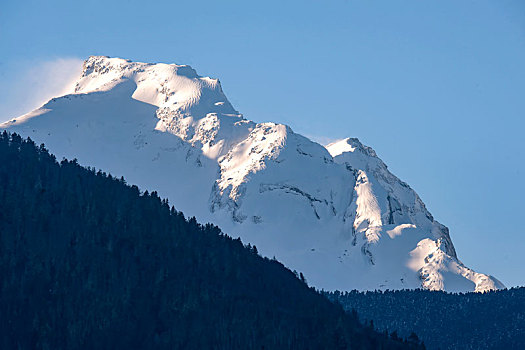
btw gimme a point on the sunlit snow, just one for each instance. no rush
(334, 213)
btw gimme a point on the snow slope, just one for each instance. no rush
(336, 213)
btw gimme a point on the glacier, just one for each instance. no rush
(335, 213)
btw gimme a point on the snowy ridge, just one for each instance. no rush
(336, 213)
(383, 200)
(189, 106)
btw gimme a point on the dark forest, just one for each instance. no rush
(490, 320)
(89, 262)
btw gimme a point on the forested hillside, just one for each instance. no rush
(87, 261)
(491, 320)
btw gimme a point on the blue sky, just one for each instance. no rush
(437, 88)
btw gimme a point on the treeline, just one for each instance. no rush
(89, 262)
(490, 320)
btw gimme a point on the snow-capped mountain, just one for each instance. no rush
(334, 213)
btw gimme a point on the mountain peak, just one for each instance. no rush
(163, 85)
(350, 144)
(189, 105)
(104, 64)
(335, 213)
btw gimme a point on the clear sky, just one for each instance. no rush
(437, 88)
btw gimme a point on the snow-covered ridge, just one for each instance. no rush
(189, 106)
(336, 214)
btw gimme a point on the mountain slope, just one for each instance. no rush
(88, 262)
(336, 213)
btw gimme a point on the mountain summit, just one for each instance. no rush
(334, 213)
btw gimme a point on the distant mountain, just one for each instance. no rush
(336, 213)
(491, 320)
(88, 262)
